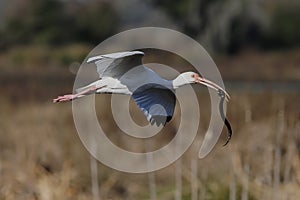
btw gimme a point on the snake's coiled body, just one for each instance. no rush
(221, 109)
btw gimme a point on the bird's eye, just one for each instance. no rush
(195, 75)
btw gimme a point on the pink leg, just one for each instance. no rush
(70, 97)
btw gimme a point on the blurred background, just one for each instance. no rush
(255, 44)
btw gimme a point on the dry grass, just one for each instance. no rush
(42, 158)
(253, 65)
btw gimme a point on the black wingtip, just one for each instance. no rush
(160, 120)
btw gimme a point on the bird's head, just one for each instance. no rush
(192, 77)
(184, 78)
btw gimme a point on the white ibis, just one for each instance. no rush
(124, 73)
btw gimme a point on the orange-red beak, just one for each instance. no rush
(211, 84)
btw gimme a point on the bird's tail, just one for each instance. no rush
(96, 83)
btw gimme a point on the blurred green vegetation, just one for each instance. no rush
(54, 22)
(226, 26)
(265, 25)
(36, 58)
(284, 30)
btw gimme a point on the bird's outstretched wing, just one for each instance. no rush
(116, 64)
(157, 104)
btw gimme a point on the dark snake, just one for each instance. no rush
(221, 109)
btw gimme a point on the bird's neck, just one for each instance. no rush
(179, 81)
(165, 84)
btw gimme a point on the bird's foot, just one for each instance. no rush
(67, 97)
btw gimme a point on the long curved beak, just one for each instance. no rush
(212, 85)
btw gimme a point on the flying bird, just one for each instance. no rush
(124, 73)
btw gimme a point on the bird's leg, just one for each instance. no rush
(66, 97)
(70, 97)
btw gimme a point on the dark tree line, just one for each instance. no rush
(56, 22)
(251, 25)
